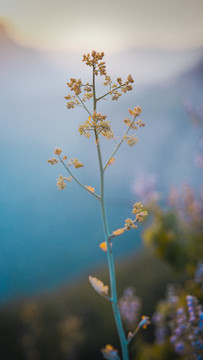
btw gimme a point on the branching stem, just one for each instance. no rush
(119, 144)
(101, 97)
(114, 300)
(77, 181)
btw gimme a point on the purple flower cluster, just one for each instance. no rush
(129, 305)
(199, 274)
(195, 112)
(144, 186)
(187, 330)
(161, 330)
(160, 318)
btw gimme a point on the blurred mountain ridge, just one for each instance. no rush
(148, 65)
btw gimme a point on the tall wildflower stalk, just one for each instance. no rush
(99, 126)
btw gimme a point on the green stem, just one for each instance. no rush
(101, 97)
(119, 144)
(85, 107)
(114, 300)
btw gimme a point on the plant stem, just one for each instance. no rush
(114, 300)
(119, 144)
(101, 97)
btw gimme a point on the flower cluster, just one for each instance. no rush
(188, 207)
(144, 186)
(98, 124)
(130, 139)
(75, 85)
(130, 223)
(119, 87)
(76, 163)
(165, 310)
(199, 274)
(139, 212)
(187, 330)
(71, 104)
(161, 330)
(133, 124)
(135, 112)
(61, 182)
(129, 306)
(52, 161)
(94, 60)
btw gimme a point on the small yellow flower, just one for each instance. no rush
(61, 182)
(52, 161)
(130, 79)
(130, 224)
(131, 139)
(119, 231)
(77, 163)
(140, 123)
(127, 121)
(90, 188)
(137, 207)
(57, 151)
(65, 157)
(136, 112)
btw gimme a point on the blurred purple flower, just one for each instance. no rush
(144, 187)
(195, 112)
(198, 160)
(199, 274)
(129, 305)
(187, 330)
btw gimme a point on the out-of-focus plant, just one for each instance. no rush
(179, 319)
(175, 233)
(99, 126)
(196, 114)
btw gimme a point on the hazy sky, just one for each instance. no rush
(106, 24)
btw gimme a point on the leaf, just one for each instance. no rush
(99, 286)
(119, 231)
(111, 161)
(103, 246)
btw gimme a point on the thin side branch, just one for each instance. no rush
(119, 144)
(101, 97)
(77, 181)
